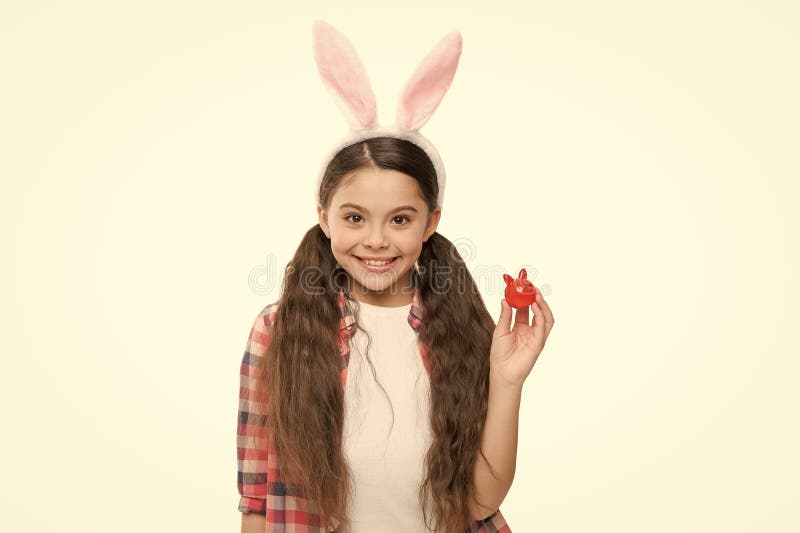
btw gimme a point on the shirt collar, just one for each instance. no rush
(347, 318)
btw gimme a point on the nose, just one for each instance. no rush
(375, 237)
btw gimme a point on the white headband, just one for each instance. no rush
(344, 76)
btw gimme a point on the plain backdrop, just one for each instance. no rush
(157, 163)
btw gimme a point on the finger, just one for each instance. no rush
(544, 315)
(541, 300)
(548, 314)
(521, 316)
(538, 322)
(504, 322)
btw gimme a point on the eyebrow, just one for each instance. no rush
(396, 209)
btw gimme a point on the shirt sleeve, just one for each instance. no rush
(251, 435)
(494, 523)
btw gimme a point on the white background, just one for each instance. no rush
(157, 162)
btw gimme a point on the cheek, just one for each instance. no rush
(344, 241)
(410, 244)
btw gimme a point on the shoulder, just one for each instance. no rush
(261, 330)
(266, 317)
(268, 314)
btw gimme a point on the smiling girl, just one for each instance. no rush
(377, 393)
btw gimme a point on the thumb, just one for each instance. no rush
(504, 323)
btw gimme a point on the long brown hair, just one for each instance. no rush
(301, 369)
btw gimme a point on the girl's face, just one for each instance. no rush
(378, 213)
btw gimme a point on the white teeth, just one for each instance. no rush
(376, 263)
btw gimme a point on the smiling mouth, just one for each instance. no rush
(384, 264)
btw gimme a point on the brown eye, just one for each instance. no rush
(349, 216)
(401, 216)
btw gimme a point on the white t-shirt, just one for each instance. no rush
(386, 454)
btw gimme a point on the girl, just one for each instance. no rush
(377, 394)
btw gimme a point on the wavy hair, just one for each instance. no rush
(301, 368)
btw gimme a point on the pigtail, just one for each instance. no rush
(458, 329)
(302, 380)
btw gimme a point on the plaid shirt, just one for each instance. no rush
(260, 484)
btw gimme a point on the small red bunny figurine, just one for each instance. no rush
(519, 292)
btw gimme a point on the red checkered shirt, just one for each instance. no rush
(260, 483)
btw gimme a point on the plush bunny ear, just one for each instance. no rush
(344, 75)
(426, 87)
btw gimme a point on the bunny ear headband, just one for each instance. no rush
(344, 76)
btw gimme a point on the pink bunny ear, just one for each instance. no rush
(344, 75)
(426, 87)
